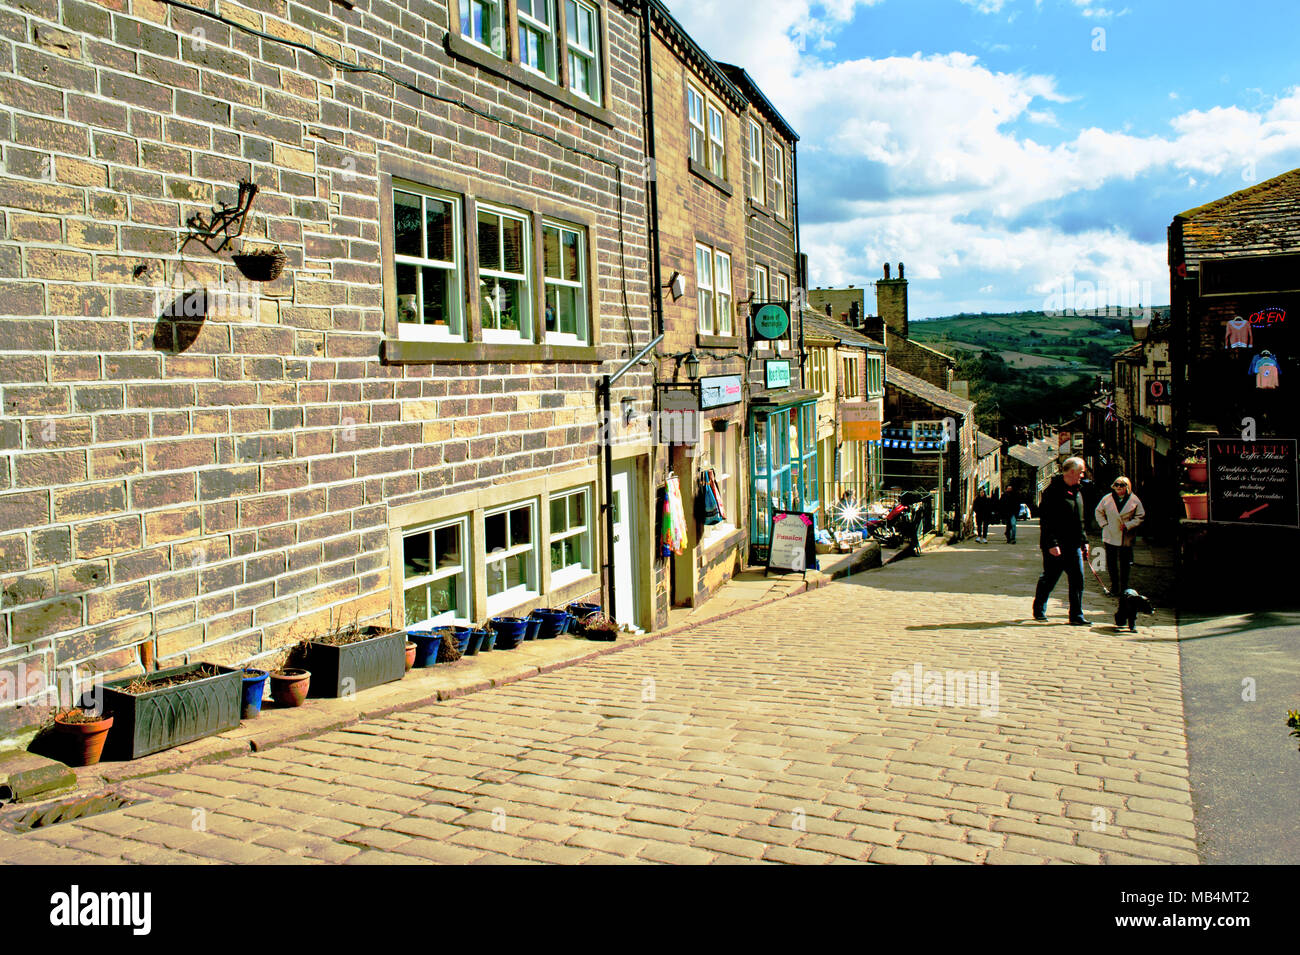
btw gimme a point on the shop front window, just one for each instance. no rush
(783, 466)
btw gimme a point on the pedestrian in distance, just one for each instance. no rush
(1011, 511)
(1063, 539)
(983, 510)
(1118, 515)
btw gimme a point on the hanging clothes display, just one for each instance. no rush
(710, 511)
(1238, 334)
(1264, 367)
(673, 529)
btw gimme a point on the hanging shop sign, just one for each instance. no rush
(771, 320)
(1158, 391)
(778, 372)
(720, 390)
(793, 547)
(679, 416)
(1254, 482)
(860, 421)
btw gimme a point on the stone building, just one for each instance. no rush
(403, 426)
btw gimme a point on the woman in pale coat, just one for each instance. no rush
(1118, 514)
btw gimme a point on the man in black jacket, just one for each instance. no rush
(1010, 511)
(1063, 539)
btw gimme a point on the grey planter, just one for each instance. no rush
(342, 671)
(155, 720)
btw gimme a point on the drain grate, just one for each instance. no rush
(43, 816)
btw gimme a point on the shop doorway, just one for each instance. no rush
(623, 515)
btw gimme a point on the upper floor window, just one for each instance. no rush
(427, 254)
(778, 181)
(505, 289)
(713, 291)
(717, 143)
(757, 179)
(782, 288)
(482, 21)
(850, 386)
(875, 377)
(537, 37)
(565, 268)
(760, 284)
(818, 370)
(583, 28)
(695, 113)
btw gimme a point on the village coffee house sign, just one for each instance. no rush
(1254, 482)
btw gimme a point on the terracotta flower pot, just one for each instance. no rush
(289, 687)
(411, 648)
(82, 744)
(1198, 472)
(1197, 506)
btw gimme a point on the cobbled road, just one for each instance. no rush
(781, 734)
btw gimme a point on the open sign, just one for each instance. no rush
(1268, 316)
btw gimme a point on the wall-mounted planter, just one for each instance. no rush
(168, 716)
(261, 265)
(343, 670)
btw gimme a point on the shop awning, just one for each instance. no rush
(782, 398)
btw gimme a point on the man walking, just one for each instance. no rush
(1063, 539)
(1011, 511)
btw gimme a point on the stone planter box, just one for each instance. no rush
(345, 670)
(155, 720)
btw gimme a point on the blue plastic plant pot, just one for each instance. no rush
(475, 642)
(509, 630)
(581, 611)
(461, 636)
(427, 644)
(488, 641)
(254, 687)
(550, 623)
(532, 625)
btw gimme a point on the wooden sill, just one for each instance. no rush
(398, 352)
(708, 176)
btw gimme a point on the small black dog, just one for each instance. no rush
(1131, 603)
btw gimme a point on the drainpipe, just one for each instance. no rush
(656, 306)
(798, 256)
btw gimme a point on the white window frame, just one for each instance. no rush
(761, 290)
(782, 287)
(516, 595)
(720, 455)
(778, 176)
(531, 28)
(876, 376)
(497, 27)
(575, 49)
(724, 320)
(525, 332)
(703, 287)
(465, 570)
(699, 144)
(571, 572)
(419, 331)
(717, 128)
(757, 175)
(583, 334)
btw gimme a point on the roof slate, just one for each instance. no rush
(923, 389)
(1261, 220)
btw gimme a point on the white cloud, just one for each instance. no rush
(926, 158)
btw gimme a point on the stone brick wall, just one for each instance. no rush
(176, 489)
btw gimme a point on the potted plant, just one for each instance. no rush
(254, 689)
(509, 631)
(348, 659)
(1197, 505)
(1195, 465)
(427, 643)
(173, 706)
(80, 735)
(551, 623)
(260, 265)
(599, 627)
(289, 686)
(410, 655)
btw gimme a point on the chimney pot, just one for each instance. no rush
(886, 270)
(900, 270)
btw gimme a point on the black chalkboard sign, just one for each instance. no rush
(1254, 482)
(792, 547)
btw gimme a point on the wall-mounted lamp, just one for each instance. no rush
(693, 365)
(676, 285)
(629, 409)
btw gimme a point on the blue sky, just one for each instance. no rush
(1007, 150)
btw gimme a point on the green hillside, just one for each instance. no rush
(1026, 367)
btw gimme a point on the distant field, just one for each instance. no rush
(1016, 359)
(1076, 343)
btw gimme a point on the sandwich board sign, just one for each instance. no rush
(792, 548)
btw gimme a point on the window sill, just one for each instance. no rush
(708, 176)
(717, 539)
(761, 207)
(717, 341)
(403, 352)
(462, 49)
(563, 578)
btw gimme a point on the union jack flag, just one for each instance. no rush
(1110, 410)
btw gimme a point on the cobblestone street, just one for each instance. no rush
(767, 736)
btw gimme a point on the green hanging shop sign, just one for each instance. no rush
(771, 320)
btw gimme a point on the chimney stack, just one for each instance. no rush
(891, 301)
